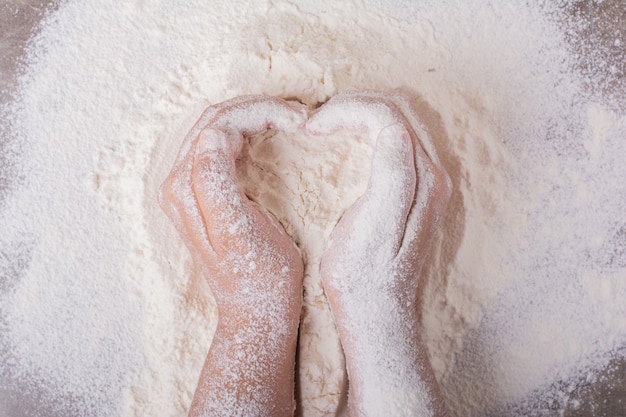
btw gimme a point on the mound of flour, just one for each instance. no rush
(101, 310)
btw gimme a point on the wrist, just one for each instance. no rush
(245, 365)
(268, 320)
(389, 370)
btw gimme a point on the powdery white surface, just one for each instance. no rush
(101, 311)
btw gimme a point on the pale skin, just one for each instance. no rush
(252, 266)
(255, 271)
(370, 270)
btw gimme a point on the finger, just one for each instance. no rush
(251, 115)
(245, 115)
(403, 104)
(232, 222)
(406, 107)
(376, 222)
(433, 183)
(213, 182)
(177, 200)
(425, 152)
(431, 197)
(255, 115)
(359, 113)
(426, 215)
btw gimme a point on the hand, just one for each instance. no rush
(253, 268)
(226, 233)
(370, 270)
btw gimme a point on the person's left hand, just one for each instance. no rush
(252, 266)
(242, 250)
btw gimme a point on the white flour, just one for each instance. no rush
(101, 311)
(307, 182)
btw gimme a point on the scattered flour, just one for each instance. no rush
(101, 310)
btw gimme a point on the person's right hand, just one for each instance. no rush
(370, 269)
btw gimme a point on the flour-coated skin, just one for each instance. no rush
(253, 268)
(370, 270)
(255, 271)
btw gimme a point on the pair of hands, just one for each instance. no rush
(375, 252)
(228, 235)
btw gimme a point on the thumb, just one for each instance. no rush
(226, 211)
(377, 220)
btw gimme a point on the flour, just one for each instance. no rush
(101, 309)
(308, 194)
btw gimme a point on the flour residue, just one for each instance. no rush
(524, 286)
